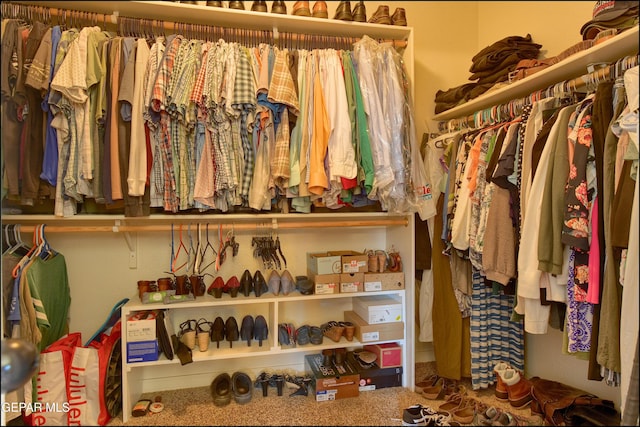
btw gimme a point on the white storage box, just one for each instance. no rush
(141, 326)
(378, 309)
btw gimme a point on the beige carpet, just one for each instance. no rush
(381, 407)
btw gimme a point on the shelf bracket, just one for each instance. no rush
(132, 244)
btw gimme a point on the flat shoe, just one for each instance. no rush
(315, 335)
(242, 387)
(302, 335)
(283, 334)
(221, 389)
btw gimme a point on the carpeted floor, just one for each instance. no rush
(381, 407)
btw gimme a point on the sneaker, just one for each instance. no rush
(418, 415)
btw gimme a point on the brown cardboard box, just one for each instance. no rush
(325, 283)
(366, 333)
(383, 281)
(351, 282)
(332, 382)
(353, 262)
(389, 355)
(324, 263)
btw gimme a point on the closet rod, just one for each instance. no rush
(612, 70)
(242, 226)
(171, 26)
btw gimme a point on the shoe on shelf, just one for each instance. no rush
(283, 334)
(320, 10)
(259, 284)
(260, 329)
(349, 330)
(399, 17)
(232, 286)
(287, 284)
(279, 7)
(343, 11)
(246, 330)
(315, 335)
(221, 389)
(359, 12)
(215, 289)
(214, 3)
(231, 330)
(239, 5)
(381, 16)
(242, 387)
(301, 8)
(259, 6)
(418, 415)
(218, 331)
(273, 282)
(302, 335)
(332, 330)
(246, 283)
(327, 357)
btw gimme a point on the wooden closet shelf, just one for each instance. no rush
(117, 225)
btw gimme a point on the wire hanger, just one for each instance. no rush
(174, 257)
(204, 252)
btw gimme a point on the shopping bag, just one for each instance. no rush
(83, 388)
(50, 402)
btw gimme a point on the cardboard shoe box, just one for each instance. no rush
(332, 382)
(324, 263)
(378, 309)
(354, 262)
(142, 351)
(383, 281)
(366, 333)
(388, 355)
(374, 377)
(141, 326)
(325, 283)
(351, 282)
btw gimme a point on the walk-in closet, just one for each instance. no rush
(318, 213)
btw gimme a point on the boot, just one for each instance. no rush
(381, 16)
(501, 388)
(518, 387)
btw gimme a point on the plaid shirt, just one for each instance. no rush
(159, 93)
(244, 98)
(198, 87)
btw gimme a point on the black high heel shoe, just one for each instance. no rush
(259, 284)
(246, 283)
(231, 330)
(217, 331)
